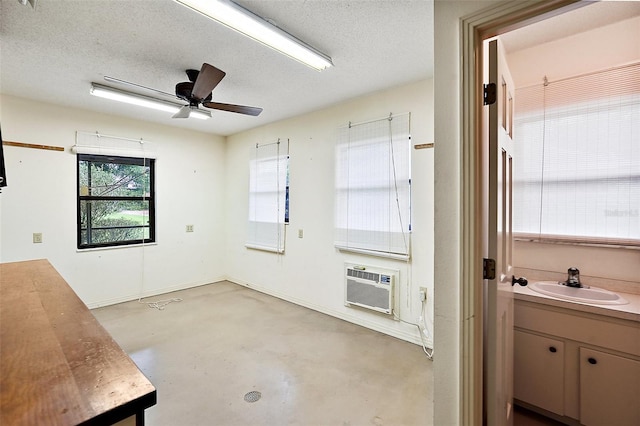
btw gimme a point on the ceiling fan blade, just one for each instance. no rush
(183, 113)
(207, 80)
(240, 109)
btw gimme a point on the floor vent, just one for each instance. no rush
(252, 396)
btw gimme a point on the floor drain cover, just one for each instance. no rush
(252, 396)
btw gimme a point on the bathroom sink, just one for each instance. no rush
(593, 295)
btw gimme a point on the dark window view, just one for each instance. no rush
(115, 201)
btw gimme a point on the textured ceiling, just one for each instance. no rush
(52, 53)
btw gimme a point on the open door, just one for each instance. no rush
(498, 321)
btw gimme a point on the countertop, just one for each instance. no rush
(59, 366)
(629, 311)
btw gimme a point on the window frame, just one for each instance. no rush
(116, 159)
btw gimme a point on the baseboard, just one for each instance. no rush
(411, 337)
(151, 293)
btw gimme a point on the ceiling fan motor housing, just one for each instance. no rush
(183, 91)
(203, 82)
(192, 75)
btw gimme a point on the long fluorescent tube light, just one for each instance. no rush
(240, 19)
(143, 101)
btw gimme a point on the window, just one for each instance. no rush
(268, 198)
(373, 187)
(578, 153)
(115, 200)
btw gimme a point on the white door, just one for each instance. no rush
(498, 352)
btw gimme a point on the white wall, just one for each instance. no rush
(311, 272)
(41, 197)
(448, 193)
(592, 50)
(596, 49)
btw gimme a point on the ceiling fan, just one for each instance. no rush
(198, 91)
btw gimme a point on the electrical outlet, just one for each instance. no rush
(423, 294)
(189, 228)
(37, 237)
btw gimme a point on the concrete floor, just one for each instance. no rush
(223, 340)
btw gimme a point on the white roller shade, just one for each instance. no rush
(98, 144)
(268, 181)
(373, 187)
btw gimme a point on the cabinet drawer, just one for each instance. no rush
(609, 389)
(539, 371)
(597, 330)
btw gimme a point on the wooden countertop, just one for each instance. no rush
(58, 365)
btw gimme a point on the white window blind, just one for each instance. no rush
(578, 155)
(373, 187)
(268, 197)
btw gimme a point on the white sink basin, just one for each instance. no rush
(593, 295)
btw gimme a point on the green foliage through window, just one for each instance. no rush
(115, 201)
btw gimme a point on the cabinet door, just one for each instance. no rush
(539, 371)
(609, 389)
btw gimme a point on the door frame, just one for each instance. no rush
(492, 21)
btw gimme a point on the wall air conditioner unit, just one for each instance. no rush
(369, 287)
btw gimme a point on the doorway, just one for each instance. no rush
(475, 29)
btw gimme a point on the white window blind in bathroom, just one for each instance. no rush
(373, 187)
(577, 142)
(268, 200)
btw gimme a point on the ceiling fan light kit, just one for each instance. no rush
(242, 20)
(143, 101)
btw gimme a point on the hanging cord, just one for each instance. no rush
(428, 351)
(395, 184)
(544, 134)
(421, 327)
(160, 304)
(280, 214)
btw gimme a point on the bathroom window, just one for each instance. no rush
(577, 177)
(373, 187)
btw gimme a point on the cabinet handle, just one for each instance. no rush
(592, 361)
(552, 349)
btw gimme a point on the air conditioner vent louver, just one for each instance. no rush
(363, 274)
(371, 288)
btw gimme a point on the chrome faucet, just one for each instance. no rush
(573, 280)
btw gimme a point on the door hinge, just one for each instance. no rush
(489, 94)
(488, 269)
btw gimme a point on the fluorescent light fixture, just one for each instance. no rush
(143, 101)
(240, 19)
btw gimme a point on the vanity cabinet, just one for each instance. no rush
(539, 373)
(609, 389)
(577, 366)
